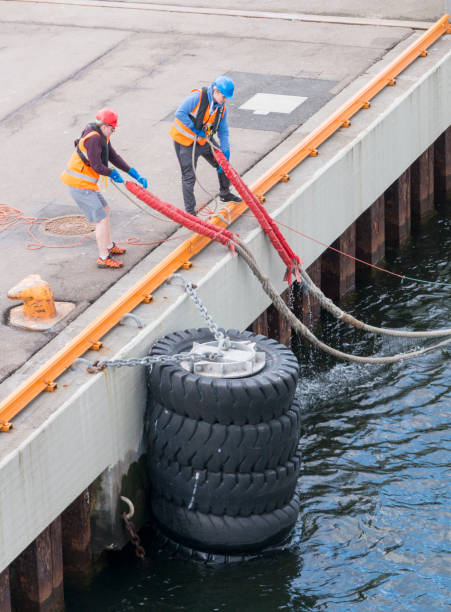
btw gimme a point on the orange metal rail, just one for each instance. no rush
(309, 146)
(89, 338)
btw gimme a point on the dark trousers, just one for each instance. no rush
(185, 157)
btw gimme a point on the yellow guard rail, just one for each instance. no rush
(89, 338)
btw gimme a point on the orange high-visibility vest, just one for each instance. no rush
(77, 173)
(184, 135)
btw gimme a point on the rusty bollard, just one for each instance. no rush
(39, 310)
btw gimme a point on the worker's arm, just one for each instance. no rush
(117, 160)
(223, 134)
(94, 149)
(187, 107)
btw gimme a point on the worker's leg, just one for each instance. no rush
(95, 208)
(103, 236)
(184, 155)
(224, 183)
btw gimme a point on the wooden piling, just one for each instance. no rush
(310, 309)
(397, 211)
(370, 238)
(338, 271)
(278, 327)
(36, 575)
(260, 325)
(422, 185)
(5, 593)
(76, 536)
(442, 167)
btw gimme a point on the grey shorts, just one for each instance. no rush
(91, 203)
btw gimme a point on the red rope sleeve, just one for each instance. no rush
(288, 256)
(199, 226)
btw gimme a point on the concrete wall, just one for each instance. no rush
(97, 428)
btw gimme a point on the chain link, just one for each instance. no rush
(134, 537)
(223, 341)
(151, 359)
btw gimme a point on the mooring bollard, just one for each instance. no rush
(39, 310)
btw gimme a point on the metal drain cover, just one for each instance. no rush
(69, 225)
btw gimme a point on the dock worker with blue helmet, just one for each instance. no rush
(203, 113)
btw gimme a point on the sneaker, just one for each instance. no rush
(109, 262)
(116, 250)
(230, 197)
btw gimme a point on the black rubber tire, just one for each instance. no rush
(167, 548)
(239, 401)
(223, 448)
(225, 534)
(220, 493)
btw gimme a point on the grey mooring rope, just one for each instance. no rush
(327, 304)
(304, 331)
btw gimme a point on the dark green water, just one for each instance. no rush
(373, 531)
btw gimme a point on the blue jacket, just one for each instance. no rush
(190, 103)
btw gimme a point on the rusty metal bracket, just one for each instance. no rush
(137, 320)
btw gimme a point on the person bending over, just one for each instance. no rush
(89, 161)
(203, 113)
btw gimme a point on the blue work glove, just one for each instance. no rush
(226, 153)
(116, 177)
(200, 133)
(136, 175)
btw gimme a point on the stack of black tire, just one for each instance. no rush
(223, 453)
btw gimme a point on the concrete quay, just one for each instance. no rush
(143, 63)
(92, 426)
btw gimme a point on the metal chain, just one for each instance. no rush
(149, 360)
(134, 537)
(223, 341)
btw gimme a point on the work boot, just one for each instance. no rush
(116, 250)
(109, 262)
(230, 197)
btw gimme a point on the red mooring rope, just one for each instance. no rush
(199, 226)
(269, 226)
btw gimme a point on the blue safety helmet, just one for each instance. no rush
(225, 85)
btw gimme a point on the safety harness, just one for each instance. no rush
(104, 155)
(198, 120)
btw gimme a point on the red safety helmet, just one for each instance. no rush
(108, 116)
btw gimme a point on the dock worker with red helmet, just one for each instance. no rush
(203, 113)
(89, 161)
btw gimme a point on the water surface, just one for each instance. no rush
(373, 531)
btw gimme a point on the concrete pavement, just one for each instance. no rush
(63, 61)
